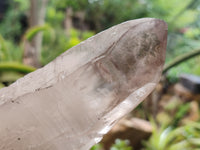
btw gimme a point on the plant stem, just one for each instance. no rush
(181, 59)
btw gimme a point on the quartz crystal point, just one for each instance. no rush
(73, 101)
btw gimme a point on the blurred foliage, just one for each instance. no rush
(14, 23)
(96, 147)
(186, 137)
(177, 132)
(9, 51)
(118, 145)
(106, 13)
(14, 66)
(30, 34)
(191, 66)
(121, 145)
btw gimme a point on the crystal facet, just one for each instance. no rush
(73, 101)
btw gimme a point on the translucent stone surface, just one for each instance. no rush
(73, 101)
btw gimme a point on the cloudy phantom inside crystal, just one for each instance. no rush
(73, 101)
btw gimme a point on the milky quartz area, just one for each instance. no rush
(73, 101)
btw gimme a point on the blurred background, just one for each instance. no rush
(34, 32)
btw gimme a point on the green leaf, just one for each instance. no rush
(96, 147)
(15, 66)
(30, 34)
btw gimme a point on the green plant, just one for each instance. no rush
(14, 24)
(182, 138)
(118, 145)
(96, 147)
(181, 112)
(9, 51)
(121, 145)
(11, 71)
(15, 66)
(181, 59)
(30, 34)
(188, 66)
